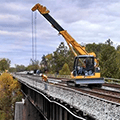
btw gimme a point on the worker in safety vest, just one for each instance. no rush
(44, 78)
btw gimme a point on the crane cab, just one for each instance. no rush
(84, 65)
(85, 72)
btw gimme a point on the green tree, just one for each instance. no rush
(70, 59)
(118, 48)
(65, 70)
(96, 48)
(34, 65)
(108, 64)
(12, 69)
(118, 61)
(109, 42)
(20, 68)
(56, 60)
(4, 64)
(44, 63)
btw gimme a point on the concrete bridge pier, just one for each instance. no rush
(27, 111)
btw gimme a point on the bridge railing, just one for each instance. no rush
(112, 80)
(107, 80)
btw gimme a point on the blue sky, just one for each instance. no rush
(87, 21)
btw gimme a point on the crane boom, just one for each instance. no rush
(69, 39)
(45, 13)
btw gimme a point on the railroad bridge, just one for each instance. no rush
(45, 101)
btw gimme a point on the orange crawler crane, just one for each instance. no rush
(85, 70)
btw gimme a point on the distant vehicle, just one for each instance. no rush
(38, 72)
(30, 72)
(34, 72)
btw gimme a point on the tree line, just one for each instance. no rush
(107, 55)
(62, 59)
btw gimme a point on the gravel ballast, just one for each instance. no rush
(99, 109)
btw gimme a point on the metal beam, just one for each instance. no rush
(48, 108)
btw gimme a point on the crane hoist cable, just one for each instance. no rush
(34, 38)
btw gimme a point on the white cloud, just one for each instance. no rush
(13, 6)
(11, 18)
(87, 21)
(114, 8)
(15, 34)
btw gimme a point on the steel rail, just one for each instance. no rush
(99, 96)
(52, 101)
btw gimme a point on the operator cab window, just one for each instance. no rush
(84, 65)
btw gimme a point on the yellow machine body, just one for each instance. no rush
(94, 77)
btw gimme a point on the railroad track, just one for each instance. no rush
(112, 85)
(111, 95)
(94, 102)
(103, 94)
